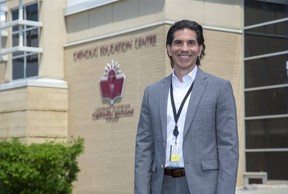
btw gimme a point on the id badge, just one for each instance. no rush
(174, 153)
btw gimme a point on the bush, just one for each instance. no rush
(48, 168)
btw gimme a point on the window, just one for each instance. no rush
(25, 64)
(266, 39)
(266, 102)
(259, 11)
(267, 133)
(3, 34)
(266, 71)
(266, 87)
(272, 162)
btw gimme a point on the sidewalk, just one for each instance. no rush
(267, 188)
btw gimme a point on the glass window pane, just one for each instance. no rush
(32, 38)
(266, 71)
(15, 40)
(32, 66)
(32, 12)
(266, 39)
(261, 11)
(274, 163)
(267, 133)
(266, 102)
(18, 68)
(15, 17)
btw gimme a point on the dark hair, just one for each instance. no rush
(192, 25)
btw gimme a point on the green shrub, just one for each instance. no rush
(47, 168)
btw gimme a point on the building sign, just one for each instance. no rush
(112, 87)
(116, 48)
(113, 113)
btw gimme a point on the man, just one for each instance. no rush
(187, 141)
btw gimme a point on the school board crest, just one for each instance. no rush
(112, 83)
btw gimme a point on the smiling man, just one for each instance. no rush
(187, 140)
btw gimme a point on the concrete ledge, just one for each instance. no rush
(36, 82)
(255, 175)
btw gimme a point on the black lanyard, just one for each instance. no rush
(177, 115)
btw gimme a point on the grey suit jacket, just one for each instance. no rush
(210, 144)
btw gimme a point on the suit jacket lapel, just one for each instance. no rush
(198, 89)
(163, 98)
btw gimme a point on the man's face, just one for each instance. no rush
(184, 49)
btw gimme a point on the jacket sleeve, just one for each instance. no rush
(227, 140)
(144, 149)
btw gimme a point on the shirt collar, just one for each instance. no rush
(190, 77)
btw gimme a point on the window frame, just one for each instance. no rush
(24, 29)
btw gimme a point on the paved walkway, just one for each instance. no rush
(264, 189)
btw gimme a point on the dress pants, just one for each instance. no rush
(176, 185)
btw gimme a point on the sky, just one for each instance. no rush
(2, 15)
